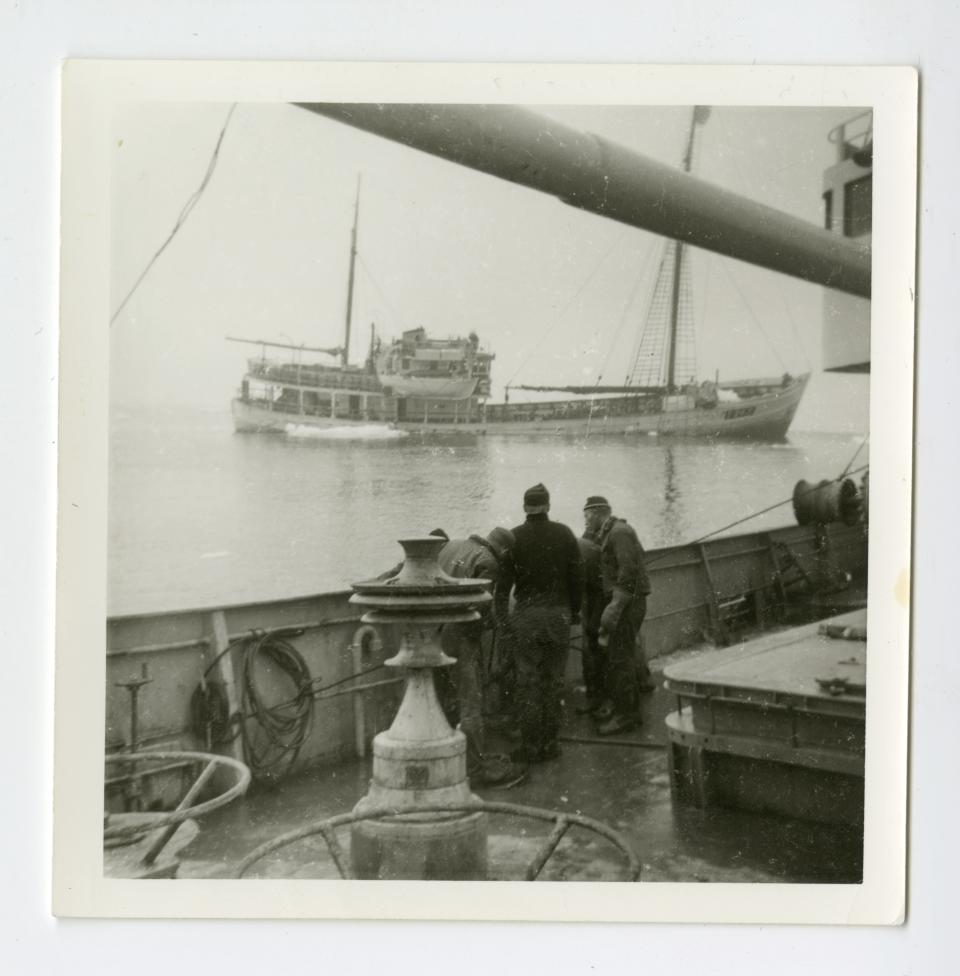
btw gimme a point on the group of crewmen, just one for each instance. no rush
(556, 581)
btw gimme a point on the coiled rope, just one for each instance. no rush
(272, 734)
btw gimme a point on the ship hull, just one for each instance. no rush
(254, 418)
(764, 417)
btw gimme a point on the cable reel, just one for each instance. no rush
(827, 501)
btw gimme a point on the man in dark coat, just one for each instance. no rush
(546, 581)
(625, 587)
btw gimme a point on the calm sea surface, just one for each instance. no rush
(202, 516)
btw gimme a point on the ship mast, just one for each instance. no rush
(345, 356)
(700, 115)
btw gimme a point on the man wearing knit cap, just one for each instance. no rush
(545, 576)
(625, 589)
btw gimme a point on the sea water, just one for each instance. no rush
(202, 516)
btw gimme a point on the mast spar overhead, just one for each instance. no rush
(602, 177)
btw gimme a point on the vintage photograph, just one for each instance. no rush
(488, 490)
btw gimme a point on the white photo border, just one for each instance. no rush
(91, 89)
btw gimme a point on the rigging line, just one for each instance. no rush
(631, 298)
(753, 515)
(651, 342)
(317, 693)
(571, 300)
(704, 297)
(376, 284)
(744, 184)
(793, 325)
(184, 214)
(866, 437)
(752, 314)
(627, 306)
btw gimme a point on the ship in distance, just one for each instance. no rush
(436, 385)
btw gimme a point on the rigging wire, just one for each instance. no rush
(744, 184)
(793, 326)
(641, 275)
(866, 437)
(762, 511)
(786, 501)
(704, 297)
(649, 349)
(184, 214)
(750, 312)
(563, 311)
(376, 284)
(853, 458)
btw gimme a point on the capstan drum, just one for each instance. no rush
(420, 759)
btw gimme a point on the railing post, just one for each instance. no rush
(223, 670)
(714, 599)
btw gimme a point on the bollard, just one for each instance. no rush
(420, 759)
(133, 797)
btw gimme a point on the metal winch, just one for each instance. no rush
(420, 760)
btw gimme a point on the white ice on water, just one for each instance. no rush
(366, 432)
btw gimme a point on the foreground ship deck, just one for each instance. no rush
(624, 782)
(775, 724)
(202, 680)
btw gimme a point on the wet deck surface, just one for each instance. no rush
(622, 781)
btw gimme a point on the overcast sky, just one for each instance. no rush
(556, 293)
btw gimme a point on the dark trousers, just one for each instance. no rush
(541, 644)
(499, 673)
(593, 659)
(626, 666)
(459, 687)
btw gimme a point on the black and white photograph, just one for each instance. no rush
(484, 490)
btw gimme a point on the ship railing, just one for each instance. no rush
(748, 389)
(573, 409)
(313, 377)
(853, 136)
(291, 408)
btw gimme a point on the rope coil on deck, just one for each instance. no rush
(284, 726)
